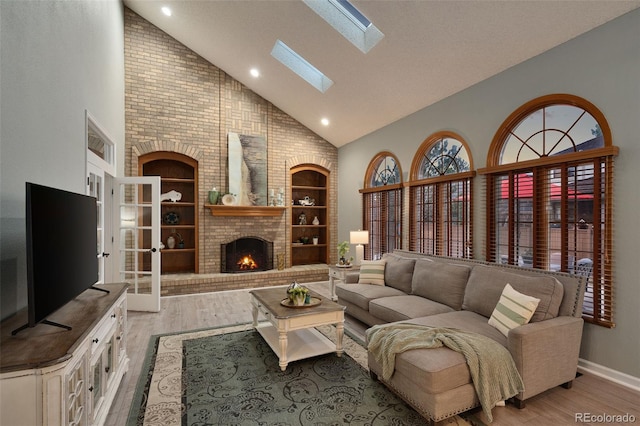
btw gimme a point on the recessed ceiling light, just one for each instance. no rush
(254, 72)
(325, 121)
(166, 11)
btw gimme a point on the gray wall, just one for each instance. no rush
(602, 66)
(58, 59)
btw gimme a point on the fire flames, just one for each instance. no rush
(246, 263)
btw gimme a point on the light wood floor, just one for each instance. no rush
(558, 406)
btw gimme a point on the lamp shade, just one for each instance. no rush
(359, 237)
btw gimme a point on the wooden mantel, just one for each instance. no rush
(218, 210)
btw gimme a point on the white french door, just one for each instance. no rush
(136, 205)
(95, 188)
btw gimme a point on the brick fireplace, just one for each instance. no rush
(193, 118)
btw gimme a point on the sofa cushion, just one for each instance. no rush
(463, 320)
(398, 308)
(486, 284)
(372, 272)
(398, 272)
(361, 294)
(513, 310)
(439, 281)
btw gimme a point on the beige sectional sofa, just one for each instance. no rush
(462, 294)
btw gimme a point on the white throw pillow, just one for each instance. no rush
(513, 310)
(372, 272)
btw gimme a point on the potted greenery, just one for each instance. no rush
(180, 240)
(297, 294)
(343, 249)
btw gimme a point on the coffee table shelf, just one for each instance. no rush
(301, 344)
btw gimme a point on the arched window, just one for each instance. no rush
(382, 205)
(440, 216)
(549, 182)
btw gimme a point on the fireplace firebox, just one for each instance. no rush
(247, 254)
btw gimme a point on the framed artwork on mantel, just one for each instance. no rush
(248, 169)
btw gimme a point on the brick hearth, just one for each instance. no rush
(204, 283)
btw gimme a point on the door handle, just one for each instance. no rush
(153, 250)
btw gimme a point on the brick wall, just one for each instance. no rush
(177, 101)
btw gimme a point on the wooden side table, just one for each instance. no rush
(336, 272)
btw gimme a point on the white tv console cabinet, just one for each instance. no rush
(52, 376)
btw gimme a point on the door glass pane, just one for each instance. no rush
(97, 384)
(95, 189)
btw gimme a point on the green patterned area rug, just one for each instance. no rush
(230, 376)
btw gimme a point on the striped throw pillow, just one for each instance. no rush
(513, 309)
(372, 272)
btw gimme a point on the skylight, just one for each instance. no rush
(348, 21)
(300, 66)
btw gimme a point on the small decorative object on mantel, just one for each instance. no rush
(229, 200)
(276, 201)
(280, 200)
(213, 196)
(172, 195)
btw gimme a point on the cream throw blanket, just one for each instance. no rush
(493, 371)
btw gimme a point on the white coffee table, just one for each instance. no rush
(290, 331)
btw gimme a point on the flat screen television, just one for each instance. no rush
(62, 245)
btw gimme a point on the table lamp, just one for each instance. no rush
(359, 238)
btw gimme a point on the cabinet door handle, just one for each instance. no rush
(91, 389)
(106, 369)
(113, 315)
(95, 340)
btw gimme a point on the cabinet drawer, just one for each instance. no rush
(102, 331)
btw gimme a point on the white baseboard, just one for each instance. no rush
(607, 373)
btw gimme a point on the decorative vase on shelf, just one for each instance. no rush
(316, 221)
(213, 196)
(171, 242)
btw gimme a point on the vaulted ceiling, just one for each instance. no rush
(430, 50)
